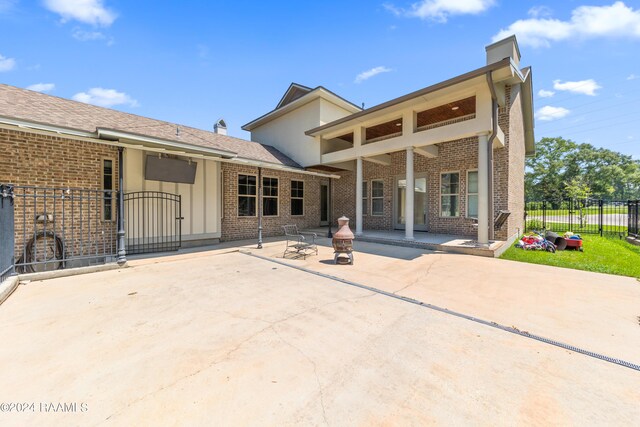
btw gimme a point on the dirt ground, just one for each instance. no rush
(229, 339)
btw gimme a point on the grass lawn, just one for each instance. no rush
(591, 210)
(601, 254)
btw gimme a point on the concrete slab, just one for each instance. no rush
(596, 311)
(233, 340)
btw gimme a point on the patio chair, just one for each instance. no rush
(300, 243)
(499, 220)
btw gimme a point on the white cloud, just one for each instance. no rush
(616, 20)
(585, 87)
(365, 75)
(548, 113)
(88, 11)
(7, 64)
(545, 93)
(42, 87)
(440, 10)
(633, 77)
(89, 36)
(105, 97)
(540, 11)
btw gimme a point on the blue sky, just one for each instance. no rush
(192, 62)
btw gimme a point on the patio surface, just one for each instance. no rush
(228, 339)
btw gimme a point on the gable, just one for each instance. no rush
(294, 92)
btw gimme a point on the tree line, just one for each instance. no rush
(563, 169)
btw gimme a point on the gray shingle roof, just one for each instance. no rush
(37, 107)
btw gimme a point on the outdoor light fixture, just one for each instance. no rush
(455, 108)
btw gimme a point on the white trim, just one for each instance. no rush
(448, 194)
(238, 195)
(304, 185)
(469, 194)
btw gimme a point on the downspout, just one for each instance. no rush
(492, 136)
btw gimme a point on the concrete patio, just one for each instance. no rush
(220, 336)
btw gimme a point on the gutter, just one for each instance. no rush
(492, 136)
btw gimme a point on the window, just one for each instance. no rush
(377, 194)
(247, 192)
(269, 196)
(297, 198)
(472, 194)
(107, 185)
(365, 198)
(449, 194)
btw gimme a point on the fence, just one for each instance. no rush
(634, 220)
(588, 216)
(58, 228)
(6, 232)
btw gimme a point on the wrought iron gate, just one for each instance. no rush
(153, 222)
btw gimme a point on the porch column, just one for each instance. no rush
(408, 194)
(483, 189)
(359, 196)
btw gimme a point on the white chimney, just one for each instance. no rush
(505, 48)
(220, 127)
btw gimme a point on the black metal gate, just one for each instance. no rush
(153, 222)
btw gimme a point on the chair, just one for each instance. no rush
(300, 243)
(499, 221)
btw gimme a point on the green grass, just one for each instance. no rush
(601, 254)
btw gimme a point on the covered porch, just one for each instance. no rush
(429, 241)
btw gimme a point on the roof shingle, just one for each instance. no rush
(23, 104)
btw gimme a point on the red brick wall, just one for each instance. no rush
(37, 159)
(236, 227)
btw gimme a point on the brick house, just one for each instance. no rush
(443, 159)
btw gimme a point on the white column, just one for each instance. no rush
(483, 190)
(408, 200)
(359, 196)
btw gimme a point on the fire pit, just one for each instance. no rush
(343, 243)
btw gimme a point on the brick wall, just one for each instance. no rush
(454, 156)
(47, 161)
(236, 227)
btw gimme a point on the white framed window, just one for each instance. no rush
(247, 195)
(269, 196)
(377, 197)
(108, 187)
(365, 198)
(297, 198)
(450, 194)
(472, 194)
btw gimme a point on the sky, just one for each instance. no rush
(194, 62)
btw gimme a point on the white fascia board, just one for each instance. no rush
(44, 127)
(109, 133)
(309, 97)
(266, 165)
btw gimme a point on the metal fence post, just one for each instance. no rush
(7, 232)
(122, 252)
(600, 216)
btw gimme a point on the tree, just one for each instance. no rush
(578, 192)
(607, 173)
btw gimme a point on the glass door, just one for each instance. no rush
(419, 202)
